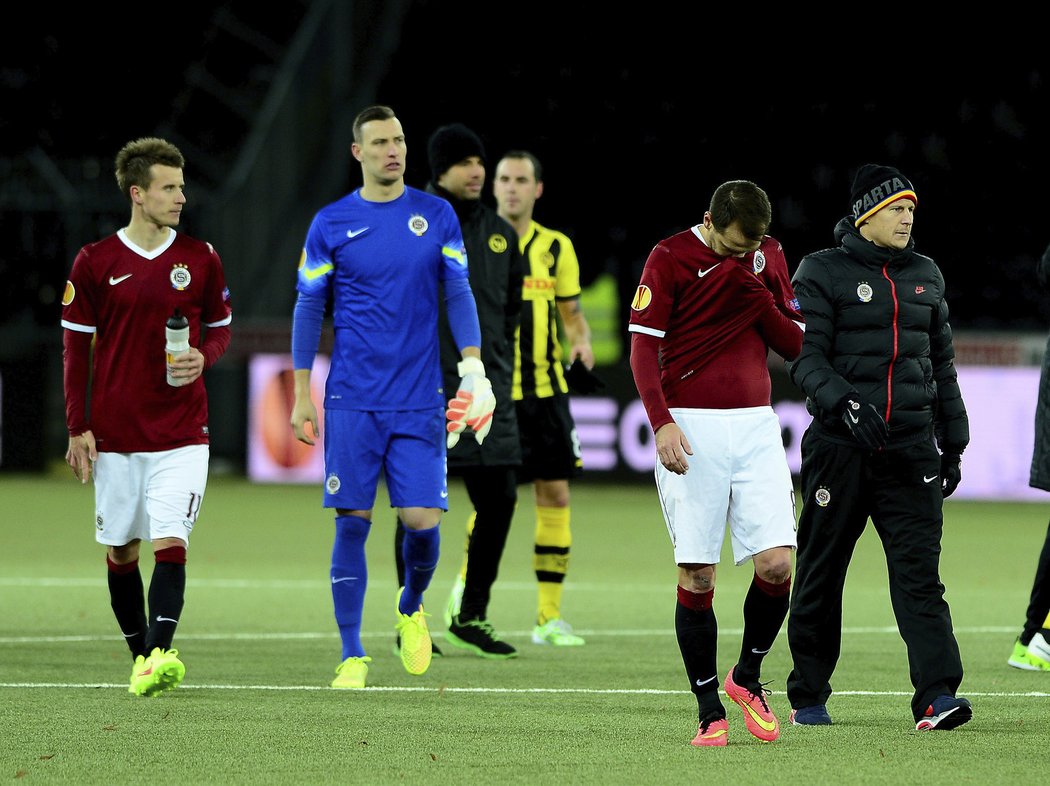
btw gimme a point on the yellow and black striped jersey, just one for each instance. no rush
(553, 274)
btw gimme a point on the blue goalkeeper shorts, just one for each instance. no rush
(409, 446)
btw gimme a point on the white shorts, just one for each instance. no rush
(146, 496)
(738, 473)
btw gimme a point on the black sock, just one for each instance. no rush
(167, 592)
(697, 631)
(765, 609)
(399, 557)
(129, 603)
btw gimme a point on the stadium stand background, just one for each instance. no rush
(261, 98)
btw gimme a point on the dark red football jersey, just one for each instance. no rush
(712, 316)
(124, 296)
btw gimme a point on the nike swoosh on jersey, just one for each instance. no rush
(928, 479)
(702, 273)
(113, 281)
(352, 233)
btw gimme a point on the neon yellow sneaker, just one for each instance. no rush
(414, 637)
(161, 671)
(136, 669)
(351, 673)
(1024, 658)
(435, 651)
(556, 632)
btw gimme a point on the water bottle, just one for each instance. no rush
(177, 332)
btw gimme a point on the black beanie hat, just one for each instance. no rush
(876, 186)
(449, 145)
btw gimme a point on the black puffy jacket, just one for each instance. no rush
(496, 275)
(877, 329)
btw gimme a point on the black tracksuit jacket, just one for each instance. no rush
(876, 330)
(496, 278)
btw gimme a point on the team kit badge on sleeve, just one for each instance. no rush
(643, 296)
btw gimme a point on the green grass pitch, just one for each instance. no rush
(260, 646)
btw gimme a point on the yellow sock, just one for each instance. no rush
(551, 559)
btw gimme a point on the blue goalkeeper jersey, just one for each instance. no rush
(382, 264)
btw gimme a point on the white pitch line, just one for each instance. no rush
(446, 689)
(321, 583)
(514, 634)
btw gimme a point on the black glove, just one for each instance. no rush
(581, 379)
(951, 473)
(865, 423)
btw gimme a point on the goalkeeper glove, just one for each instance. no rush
(865, 423)
(951, 473)
(473, 405)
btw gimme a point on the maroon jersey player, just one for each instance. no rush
(711, 302)
(713, 323)
(122, 295)
(144, 441)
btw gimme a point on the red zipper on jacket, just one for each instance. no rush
(893, 358)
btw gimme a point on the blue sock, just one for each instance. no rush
(420, 551)
(349, 580)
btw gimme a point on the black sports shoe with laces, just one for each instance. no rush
(478, 637)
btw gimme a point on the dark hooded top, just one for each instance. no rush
(877, 329)
(496, 278)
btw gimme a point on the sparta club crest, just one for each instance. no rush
(418, 225)
(180, 276)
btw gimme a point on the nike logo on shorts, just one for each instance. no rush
(928, 479)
